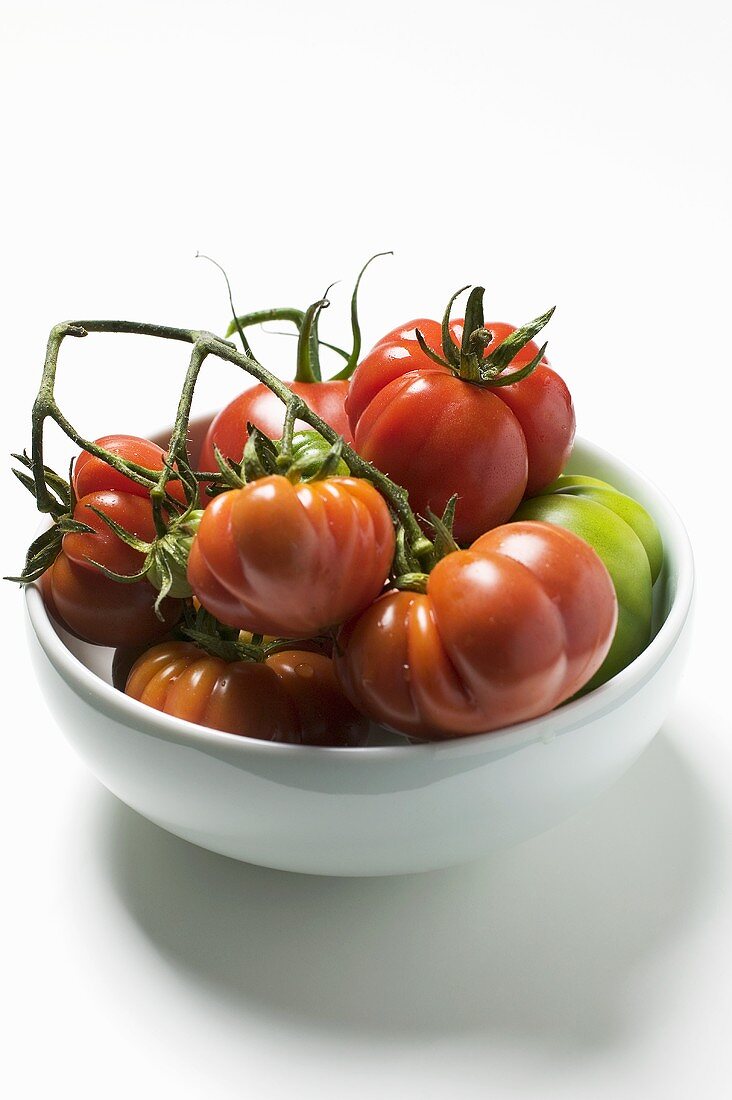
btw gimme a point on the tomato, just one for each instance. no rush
(292, 696)
(292, 560)
(134, 513)
(505, 631)
(259, 406)
(102, 611)
(89, 604)
(92, 473)
(326, 716)
(627, 540)
(436, 434)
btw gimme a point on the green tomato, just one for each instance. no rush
(626, 539)
(309, 451)
(634, 514)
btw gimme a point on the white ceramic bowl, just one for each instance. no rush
(387, 808)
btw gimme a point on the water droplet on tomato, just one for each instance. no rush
(304, 670)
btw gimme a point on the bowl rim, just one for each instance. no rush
(131, 712)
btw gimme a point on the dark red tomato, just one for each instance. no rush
(91, 473)
(293, 696)
(326, 716)
(466, 445)
(506, 631)
(92, 606)
(292, 560)
(260, 407)
(102, 611)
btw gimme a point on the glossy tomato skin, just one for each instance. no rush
(102, 611)
(259, 406)
(94, 607)
(91, 474)
(293, 696)
(394, 355)
(437, 435)
(541, 404)
(292, 560)
(326, 716)
(132, 512)
(506, 631)
(239, 697)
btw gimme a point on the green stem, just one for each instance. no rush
(292, 412)
(308, 358)
(471, 351)
(352, 361)
(449, 348)
(412, 582)
(45, 405)
(280, 313)
(206, 343)
(261, 316)
(178, 445)
(238, 327)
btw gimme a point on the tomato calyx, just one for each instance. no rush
(411, 572)
(166, 557)
(219, 640)
(310, 458)
(468, 361)
(227, 649)
(44, 550)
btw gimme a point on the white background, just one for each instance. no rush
(575, 153)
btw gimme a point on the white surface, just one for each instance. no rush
(389, 808)
(594, 962)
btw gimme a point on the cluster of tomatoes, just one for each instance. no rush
(292, 603)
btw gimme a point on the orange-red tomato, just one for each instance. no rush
(259, 406)
(292, 560)
(92, 606)
(506, 631)
(436, 434)
(92, 474)
(292, 696)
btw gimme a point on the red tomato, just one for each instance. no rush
(102, 611)
(292, 560)
(91, 473)
(506, 631)
(260, 407)
(92, 606)
(326, 716)
(437, 435)
(292, 696)
(542, 404)
(134, 513)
